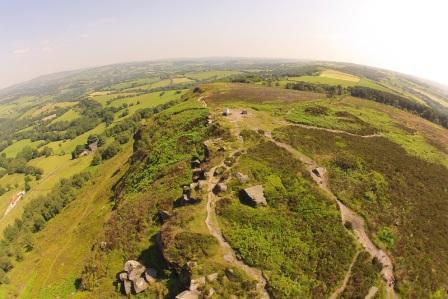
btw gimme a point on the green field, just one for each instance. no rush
(104, 97)
(12, 150)
(67, 116)
(61, 168)
(206, 75)
(67, 146)
(339, 75)
(332, 77)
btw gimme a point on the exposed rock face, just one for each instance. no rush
(189, 295)
(135, 273)
(242, 178)
(212, 277)
(130, 265)
(123, 276)
(140, 285)
(136, 277)
(196, 283)
(198, 174)
(320, 171)
(219, 188)
(195, 163)
(150, 275)
(210, 293)
(127, 285)
(255, 195)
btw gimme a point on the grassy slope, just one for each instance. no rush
(397, 193)
(65, 169)
(206, 75)
(67, 116)
(67, 146)
(286, 240)
(12, 150)
(66, 240)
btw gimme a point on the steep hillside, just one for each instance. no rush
(242, 179)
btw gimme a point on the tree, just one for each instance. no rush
(110, 151)
(96, 159)
(27, 183)
(46, 151)
(92, 139)
(108, 118)
(123, 138)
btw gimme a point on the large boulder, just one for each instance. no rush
(123, 276)
(130, 265)
(255, 195)
(150, 275)
(320, 172)
(195, 284)
(136, 273)
(127, 285)
(242, 178)
(189, 295)
(140, 285)
(219, 188)
(212, 277)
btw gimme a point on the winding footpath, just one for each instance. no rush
(330, 130)
(341, 289)
(347, 216)
(215, 231)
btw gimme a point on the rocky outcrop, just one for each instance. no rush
(136, 277)
(319, 172)
(220, 188)
(242, 178)
(254, 196)
(189, 295)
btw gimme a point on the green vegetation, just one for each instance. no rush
(82, 218)
(364, 275)
(298, 240)
(322, 116)
(388, 192)
(208, 75)
(12, 150)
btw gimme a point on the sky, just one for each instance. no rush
(46, 36)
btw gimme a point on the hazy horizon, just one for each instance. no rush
(50, 36)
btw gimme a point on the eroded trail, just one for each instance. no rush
(330, 130)
(229, 253)
(341, 289)
(347, 216)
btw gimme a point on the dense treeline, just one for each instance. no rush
(17, 238)
(377, 96)
(19, 163)
(330, 90)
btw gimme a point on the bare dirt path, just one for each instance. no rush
(341, 289)
(372, 292)
(347, 216)
(330, 130)
(229, 253)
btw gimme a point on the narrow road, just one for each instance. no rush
(229, 253)
(347, 216)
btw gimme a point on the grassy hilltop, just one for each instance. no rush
(140, 162)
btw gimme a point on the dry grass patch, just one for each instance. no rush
(255, 94)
